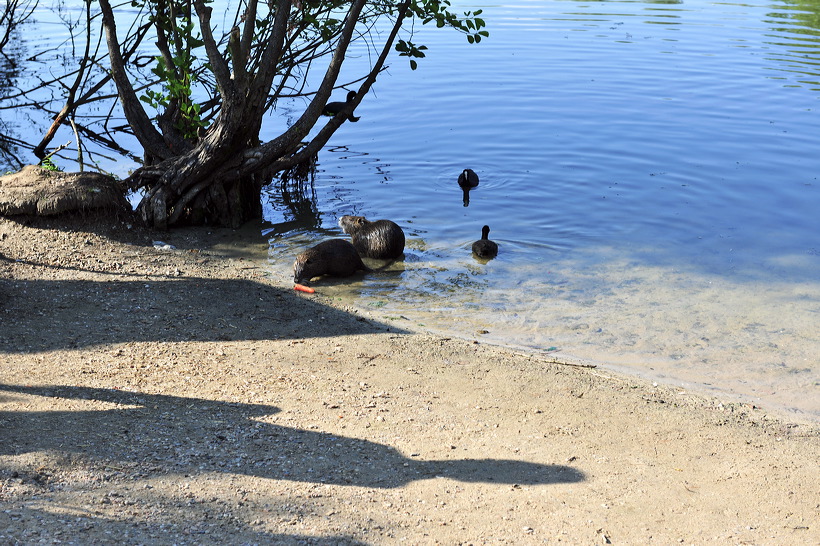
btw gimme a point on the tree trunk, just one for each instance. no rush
(219, 179)
(202, 187)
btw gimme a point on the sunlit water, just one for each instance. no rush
(649, 171)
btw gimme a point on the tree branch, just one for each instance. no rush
(148, 136)
(249, 28)
(276, 148)
(219, 65)
(270, 58)
(279, 163)
(69, 106)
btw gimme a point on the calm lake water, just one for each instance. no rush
(649, 171)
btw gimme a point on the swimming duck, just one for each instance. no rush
(485, 248)
(467, 180)
(333, 108)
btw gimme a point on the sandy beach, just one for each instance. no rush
(179, 394)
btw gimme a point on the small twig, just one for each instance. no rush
(369, 358)
(572, 364)
(77, 138)
(58, 149)
(555, 360)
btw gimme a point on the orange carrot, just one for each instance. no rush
(303, 288)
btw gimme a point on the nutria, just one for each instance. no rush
(485, 248)
(467, 180)
(333, 108)
(335, 257)
(382, 239)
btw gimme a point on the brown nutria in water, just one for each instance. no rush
(485, 248)
(382, 239)
(335, 257)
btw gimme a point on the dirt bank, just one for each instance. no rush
(181, 395)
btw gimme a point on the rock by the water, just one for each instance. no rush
(41, 192)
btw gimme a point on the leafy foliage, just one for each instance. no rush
(409, 49)
(49, 165)
(178, 79)
(438, 11)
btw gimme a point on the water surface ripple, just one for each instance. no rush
(649, 171)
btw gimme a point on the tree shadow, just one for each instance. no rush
(41, 315)
(130, 531)
(170, 435)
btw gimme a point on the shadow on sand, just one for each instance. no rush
(83, 313)
(158, 435)
(187, 432)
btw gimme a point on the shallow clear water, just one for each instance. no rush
(649, 171)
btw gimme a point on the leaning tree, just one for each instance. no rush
(198, 113)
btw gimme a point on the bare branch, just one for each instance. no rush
(55, 151)
(69, 106)
(276, 148)
(10, 18)
(148, 136)
(249, 28)
(270, 58)
(327, 131)
(219, 65)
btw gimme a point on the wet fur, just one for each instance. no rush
(335, 257)
(381, 239)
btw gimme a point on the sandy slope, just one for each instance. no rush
(183, 396)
